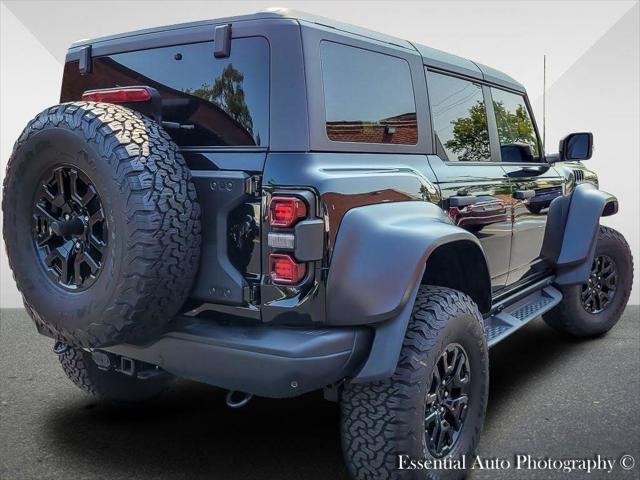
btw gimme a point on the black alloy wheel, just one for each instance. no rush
(447, 400)
(69, 228)
(599, 290)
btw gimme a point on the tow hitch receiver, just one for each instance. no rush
(125, 365)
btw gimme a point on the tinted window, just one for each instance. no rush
(459, 118)
(221, 101)
(368, 96)
(515, 128)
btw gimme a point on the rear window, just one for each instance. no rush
(219, 101)
(368, 96)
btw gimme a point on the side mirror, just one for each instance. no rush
(576, 146)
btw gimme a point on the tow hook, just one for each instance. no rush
(59, 348)
(244, 399)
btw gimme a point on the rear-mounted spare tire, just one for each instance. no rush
(101, 224)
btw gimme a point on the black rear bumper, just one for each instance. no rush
(271, 361)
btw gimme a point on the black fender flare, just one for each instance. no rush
(572, 231)
(376, 268)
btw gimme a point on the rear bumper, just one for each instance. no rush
(271, 361)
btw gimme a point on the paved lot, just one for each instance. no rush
(550, 396)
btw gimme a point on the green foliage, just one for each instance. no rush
(228, 94)
(471, 134)
(470, 140)
(515, 127)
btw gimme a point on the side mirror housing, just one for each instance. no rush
(516, 152)
(576, 146)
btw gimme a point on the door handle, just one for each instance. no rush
(524, 194)
(462, 200)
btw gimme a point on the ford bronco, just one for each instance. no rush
(280, 203)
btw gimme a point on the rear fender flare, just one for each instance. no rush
(377, 266)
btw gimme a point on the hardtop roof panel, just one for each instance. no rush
(431, 56)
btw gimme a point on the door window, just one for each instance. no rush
(459, 118)
(517, 135)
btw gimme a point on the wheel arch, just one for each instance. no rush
(381, 258)
(449, 266)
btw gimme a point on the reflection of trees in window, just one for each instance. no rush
(515, 127)
(470, 140)
(228, 94)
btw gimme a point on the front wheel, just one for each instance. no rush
(434, 404)
(594, 307)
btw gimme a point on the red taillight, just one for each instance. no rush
(286, 211)
(285, 270)
(117, 95)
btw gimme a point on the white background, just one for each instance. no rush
(592, 53)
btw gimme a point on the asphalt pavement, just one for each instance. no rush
(550, 396)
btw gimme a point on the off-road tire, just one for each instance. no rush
(109, 385)
(570, 316)
(151, 210)
(384, 419)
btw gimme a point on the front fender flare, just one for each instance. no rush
(572, 231)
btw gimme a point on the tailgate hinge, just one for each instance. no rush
(252, 186)
(222, 41)
(84, 64)
(251, 294)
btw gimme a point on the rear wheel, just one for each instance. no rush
(594, 307)
(434, 404)
(109, 385)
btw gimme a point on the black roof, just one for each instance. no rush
(431, 56)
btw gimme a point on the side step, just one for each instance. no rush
(514, 316)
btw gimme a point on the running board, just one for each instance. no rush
(511, 318)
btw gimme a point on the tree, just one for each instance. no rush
(471, 135)
(515, 127)
(228, 94)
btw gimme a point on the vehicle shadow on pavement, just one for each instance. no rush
(190, 433)
(531, 351)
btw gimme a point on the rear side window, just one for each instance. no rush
(515, 127)
(459, 118)
(368, 96)
(218, 101)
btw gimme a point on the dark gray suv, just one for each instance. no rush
(279, 203)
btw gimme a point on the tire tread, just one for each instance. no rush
(162, 215)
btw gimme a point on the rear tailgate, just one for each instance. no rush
(217, 112)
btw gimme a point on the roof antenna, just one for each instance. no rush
(544, 103)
